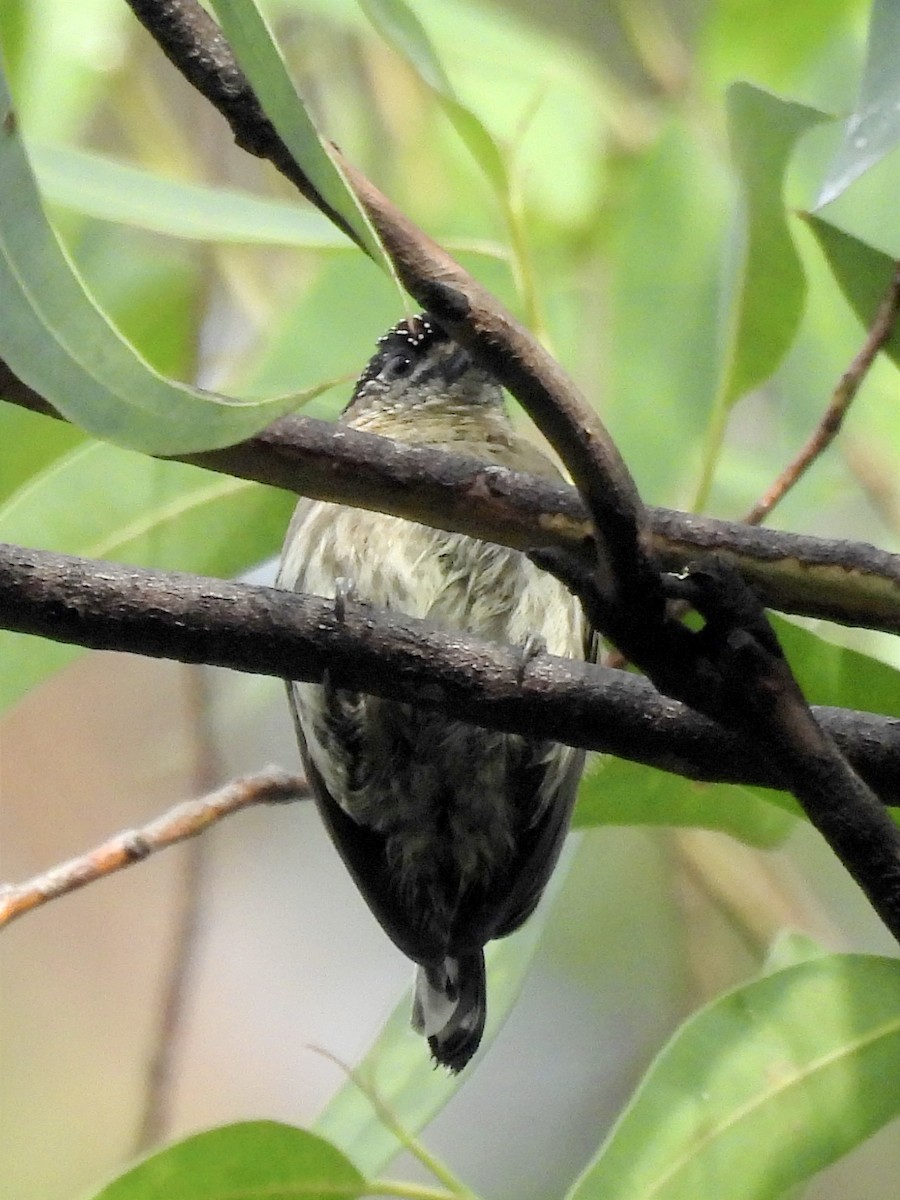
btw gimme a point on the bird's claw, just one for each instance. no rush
(344, 593)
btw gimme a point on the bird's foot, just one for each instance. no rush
(344, 594)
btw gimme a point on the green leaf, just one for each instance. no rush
(666, 253)
(835, 675)
(863, 274)
(31, 443)
(789, 949)
(101, 187)
(108, 190)
(254, 1160)
(102, 502)
(401, 28)
(874, 127)
(260, 59)
(398, 1066)
(56, 339)
(762, 1088)
(770, 287)
(625, 793)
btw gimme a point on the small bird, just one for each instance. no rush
(450, 831)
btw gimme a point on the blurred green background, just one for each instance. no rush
(623, 237)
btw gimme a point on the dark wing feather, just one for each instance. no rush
(512, 895)
(363, 851)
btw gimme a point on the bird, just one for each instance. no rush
(450, 831)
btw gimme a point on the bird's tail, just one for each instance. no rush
(450, 1006)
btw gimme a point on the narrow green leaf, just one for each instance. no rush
(245, 28)
(101, 187)
(399, 1067)
(762, 1088)
(248, 1161)
(103, 502)
(401, 28)
(874, 126)
(56, 339)
(863, 273)
(770, 287)
(108, 190)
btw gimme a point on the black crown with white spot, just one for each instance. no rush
(413, 337)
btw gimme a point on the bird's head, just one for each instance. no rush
(417, 381)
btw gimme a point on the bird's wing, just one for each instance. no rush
(512, 895)
(363, 850)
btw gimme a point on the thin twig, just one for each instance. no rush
(849, 384)
(187, 820)
(394, 1125)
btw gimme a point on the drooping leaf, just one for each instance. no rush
(56, 339)
(862, 273)
(767, 290)
(402, 29)
(248, 1161)
(769, 286)
(762, 1088)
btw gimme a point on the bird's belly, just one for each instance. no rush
(439, 790)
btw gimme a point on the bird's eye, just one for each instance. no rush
(396, 367)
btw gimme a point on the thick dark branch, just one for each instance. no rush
(852, 583)
(189, 618)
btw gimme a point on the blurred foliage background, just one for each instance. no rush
(621, 237)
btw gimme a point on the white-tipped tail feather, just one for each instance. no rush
(449, 1008)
